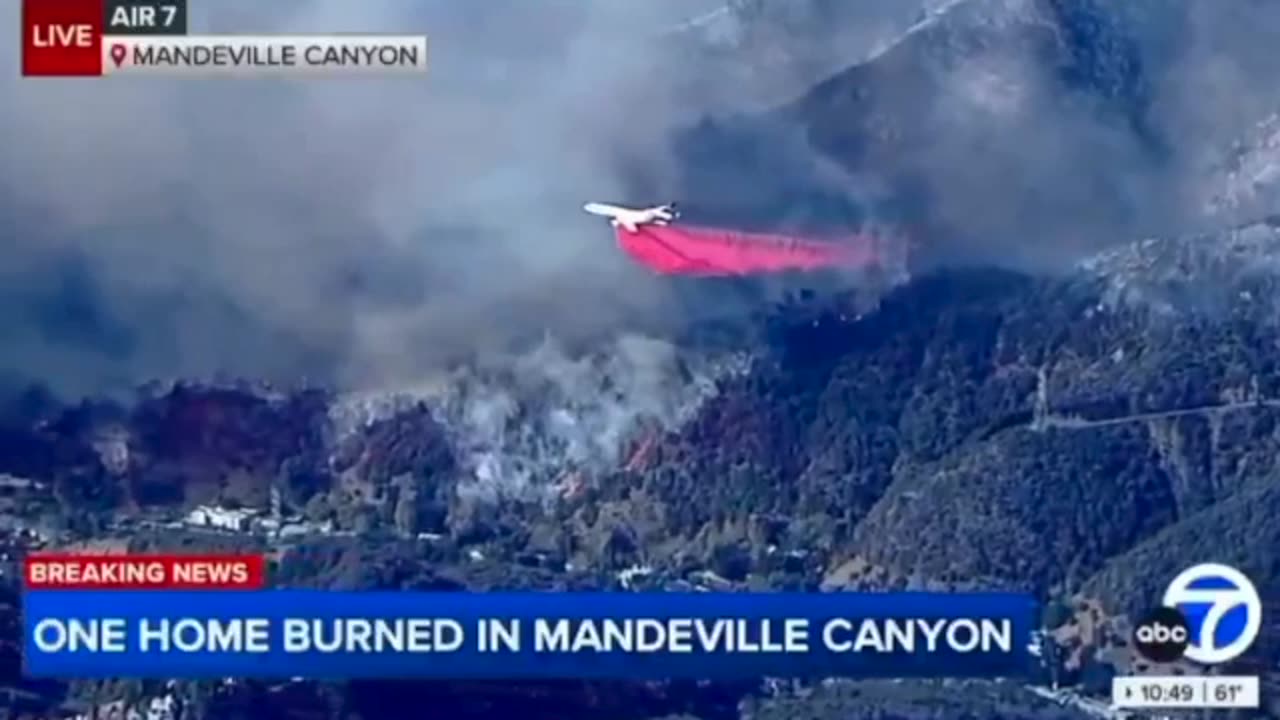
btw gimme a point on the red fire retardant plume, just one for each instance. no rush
(690, 250)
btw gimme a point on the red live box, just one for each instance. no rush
(62, 37)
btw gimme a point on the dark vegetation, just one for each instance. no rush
(980, 428)
(896, 450)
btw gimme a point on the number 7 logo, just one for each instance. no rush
(1212, 598)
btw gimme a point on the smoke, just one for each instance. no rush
(348, 229)
(1085, 125)
(368, 231)
(552, 413)
(521, 425)
(1022, 133)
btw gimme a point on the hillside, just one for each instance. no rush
(992, 131)
(1009, 418)
(980, 429)
(984, 428)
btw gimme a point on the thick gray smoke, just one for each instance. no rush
(361, 230)
(368, 231)
(528, 425)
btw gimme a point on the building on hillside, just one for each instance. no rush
(221, 518)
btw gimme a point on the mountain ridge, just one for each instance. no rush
(1076, 431)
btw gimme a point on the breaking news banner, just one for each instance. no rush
(131, 37)
(153, 630)
(127, 572)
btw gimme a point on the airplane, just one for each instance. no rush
(631, 219)
(653, 237)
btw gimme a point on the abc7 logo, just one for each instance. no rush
(1163, 635)
(1166, 634)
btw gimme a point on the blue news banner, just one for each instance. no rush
(315, 634)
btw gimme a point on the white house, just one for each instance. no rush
(220, 518)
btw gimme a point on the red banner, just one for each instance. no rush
(143, 572)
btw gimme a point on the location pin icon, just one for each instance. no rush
(117, 54)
